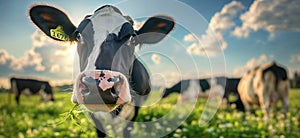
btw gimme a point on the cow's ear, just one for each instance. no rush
(155, 29)
(53, 22)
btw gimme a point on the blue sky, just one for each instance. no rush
(238, 34)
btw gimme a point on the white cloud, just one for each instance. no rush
(55, 68)
(223, 20)
(189, 38)
(30, 59)
(212, 42)
(155, 58)
(252, 63)
(270, 15)
(5, 57)
(210, 45)
(295, 58)
(46, 58)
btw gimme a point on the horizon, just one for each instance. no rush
(227, 38)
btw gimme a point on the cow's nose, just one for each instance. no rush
(93, 94)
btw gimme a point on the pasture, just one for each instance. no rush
(38, 119)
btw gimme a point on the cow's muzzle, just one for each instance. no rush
(101, 90)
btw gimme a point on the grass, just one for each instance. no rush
(34, 118)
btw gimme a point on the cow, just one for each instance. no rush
(110, 77)
(31, 87)
(218, 83)
(183, 86)
(265, 86)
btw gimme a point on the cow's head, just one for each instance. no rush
(105, 45)
(166, 92)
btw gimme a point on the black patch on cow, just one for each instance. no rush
(279, 72)
(179, 87)
(204, 85)
(82, 25)
(110, 47)
(231, 87)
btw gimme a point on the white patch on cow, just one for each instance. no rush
(76, 73)
(191, 93)
(26, 92)
(216, 89)
(45, 96)
(104, 21)
(14, 87)
(246, 86)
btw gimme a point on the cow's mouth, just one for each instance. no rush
(101, 90)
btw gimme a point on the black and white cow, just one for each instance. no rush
(265, 86)
(31, 87)
(109, 75)
(182, 87)
(229, 86)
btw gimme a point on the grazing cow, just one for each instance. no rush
(183, 87)
(230, 85)
(110, 76)
(264, 86)
(31, 87)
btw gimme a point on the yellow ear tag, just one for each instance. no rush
(59, 33)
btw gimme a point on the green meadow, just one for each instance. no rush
(34, 118)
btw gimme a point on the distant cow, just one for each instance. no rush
(183, 86)
(110, 77)
(264, 86)
(230, 85)
(31, 87)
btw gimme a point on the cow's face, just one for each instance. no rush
(166, 92)
(105, 46)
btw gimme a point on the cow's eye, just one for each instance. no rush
(78, 37)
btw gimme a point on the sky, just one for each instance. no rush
(212, 37)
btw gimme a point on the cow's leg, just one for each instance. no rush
(285, 101)
(17, 99)
(18, 94)
(264, 101)
(285, 105)
(283, 88)
(245, 103)
(238, 103)
(128, 128)
(99, 127)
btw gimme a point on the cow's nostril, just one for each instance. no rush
(97, 81)
(102, 74)
(114, 93)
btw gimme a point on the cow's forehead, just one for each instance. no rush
(108, 8)
(107, 18)
(95, 28)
